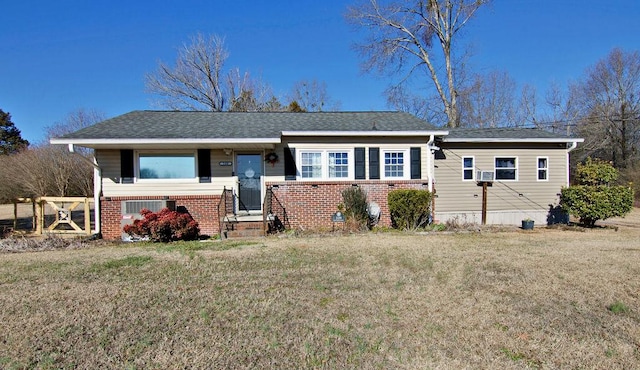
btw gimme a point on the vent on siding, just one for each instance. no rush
(135, 206)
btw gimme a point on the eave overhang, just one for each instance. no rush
(364, 133)
(512, 140)
(173, 143)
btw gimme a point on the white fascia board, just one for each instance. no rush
(504, 140)
(364, 133)
(115, 142)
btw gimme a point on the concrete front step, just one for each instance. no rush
(249, 233)
(241, 226)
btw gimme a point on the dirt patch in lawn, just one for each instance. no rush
(547, 298)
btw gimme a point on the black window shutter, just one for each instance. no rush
(374, 163)
(204, 165)
(126, 166)
(289, 163)
(360, 164)
(415, 163)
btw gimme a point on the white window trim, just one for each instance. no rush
(324, 160)
(542, 168)
(406, 170)
(495, 169)
(473, 168)
(136, 165)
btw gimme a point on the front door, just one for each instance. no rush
(249, 167)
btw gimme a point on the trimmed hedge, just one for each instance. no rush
(410, 209)
(595, 198)
(593, 203)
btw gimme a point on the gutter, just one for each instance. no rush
(572, 146)
(511, 140)
(97, 187)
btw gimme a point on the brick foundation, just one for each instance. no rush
(310, 205)
(203, 209)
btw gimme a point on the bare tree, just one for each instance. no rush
(311, 96)
(489, 101)
(197, 81)
(401, 39)
(74, 121)
(9, 187)
(400, 98)
(49, 171)
(248, 94)
(608, 98)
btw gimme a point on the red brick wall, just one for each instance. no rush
(310, 205)
(203, 209)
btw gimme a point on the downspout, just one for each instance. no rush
(430, 174)
(430, 162)
(97, 187)
(572, 146)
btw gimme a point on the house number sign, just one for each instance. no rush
(225, 163)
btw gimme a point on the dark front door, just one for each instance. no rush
(249, 167)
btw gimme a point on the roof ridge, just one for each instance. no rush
(266, 112)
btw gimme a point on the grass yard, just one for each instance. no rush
(510, 299)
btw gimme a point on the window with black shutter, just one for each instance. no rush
(374, 163)
(360, 164)
(204, 165)
(289, 163)
(126, 166)
(415, 163)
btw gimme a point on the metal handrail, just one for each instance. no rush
(275, 219)
(223, 208)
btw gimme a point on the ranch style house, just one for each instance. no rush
(226, 168)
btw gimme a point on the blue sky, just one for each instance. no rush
(59, 56)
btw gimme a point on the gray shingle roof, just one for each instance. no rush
(269, 126)
(229, 125)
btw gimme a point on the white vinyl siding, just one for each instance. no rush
(109, 162)
(455, 195)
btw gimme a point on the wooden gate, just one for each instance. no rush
(63, 208)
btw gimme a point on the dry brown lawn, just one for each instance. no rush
(549, 298)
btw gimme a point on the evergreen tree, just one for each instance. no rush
(10, 139)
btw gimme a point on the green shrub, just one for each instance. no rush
(593, 203)
(409, 209)
(354, 201)
(595, 198)
(596, 172)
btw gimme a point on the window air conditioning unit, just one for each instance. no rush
(130, 211)
(485, 176)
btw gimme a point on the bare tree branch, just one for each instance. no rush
(401, 31)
